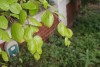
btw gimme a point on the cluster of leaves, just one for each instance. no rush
(21, 10)
(65, 32)
(84, 50)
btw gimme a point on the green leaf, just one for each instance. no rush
(62, 29)
(4, 56)
(15, 8)
(36, 56)
(29, 31)
(33, 12)
(29, 5)
(11, 1)
(32, 46)
(47, 19)
(3, 22)
(20, 59)
(69, 33)
(35, 22)
(17, 32)
(67, 42)
(4, 35)
(38, 41)
(45, 3)
(22, 16)
(15, 15)
(4, 5)
(4, 66)
(39, 50)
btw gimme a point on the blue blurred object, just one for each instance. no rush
(12, 48)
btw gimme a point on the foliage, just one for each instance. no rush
(86, 2)
(15, 13)
(66, 32)
(84, 50)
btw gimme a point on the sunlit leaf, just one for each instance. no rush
(38, 41)
(15, 15)
(33, 12)
(32, 46)
(69, 33)
(4, 35)
(45, 3)
(4, 56)
(35, 22)
(29, 31)
(29, 5)
(39, 50)
(36, 56)
(3, 22)
(15, 8)
(17, 32)
(62, 29)
(11, 1)
(4, 66)
(47, 19)
(67, 42)
(4, 5)
(22, 16)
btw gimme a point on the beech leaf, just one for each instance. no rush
(4, 35)
(35, 22)
(22, 16)
(38, 41)
(15, 8)
(33, 12)
(47, 19)
(29, 31)
(29, 5)
(62, 29)
(17, 32)
(3, 22)
(32, 46)
(15, 15)
(4, 56)
(11, 1)
(69, 33)
(45, 3)
(4, 5)
(36, 56)
(39, 50)
(67, 42)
